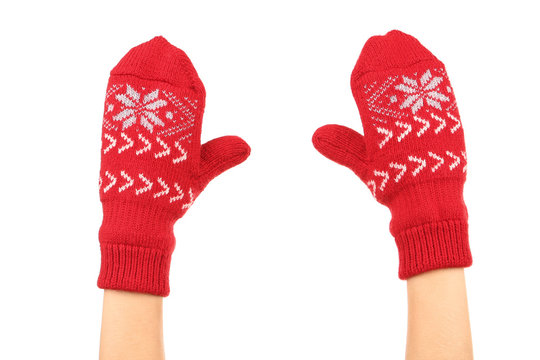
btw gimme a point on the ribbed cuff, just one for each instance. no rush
(137, 242)
(439, 245)
(132, 268)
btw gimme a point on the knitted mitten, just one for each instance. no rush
(412, 156)
(152, 163)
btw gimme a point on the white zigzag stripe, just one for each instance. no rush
(398, 166)
(129, 181)
(404, 133)
(166, 151)
(144, 188)
(456, 162)
(111, 184)
(383, 174)
(373, 187)
(112, 143)
(188, 205)
(180, 193)
(388, 133)
(458, 123)
(128, 144)
(438, 158)
(147, 147)
(165, 190)
(464, 154)
(420, 161)
(181, 157)
(426, 125)
(441, 120)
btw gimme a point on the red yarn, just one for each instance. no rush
(412, 156)
(152, 163)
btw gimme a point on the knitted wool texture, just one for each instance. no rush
(412, 156)
(152, 163)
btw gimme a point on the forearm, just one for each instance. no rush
(132, 326)
(438, 326)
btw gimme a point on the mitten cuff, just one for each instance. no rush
(137, 242)
(133, 268)
(443, 244)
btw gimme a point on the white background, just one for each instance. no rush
(286, 256)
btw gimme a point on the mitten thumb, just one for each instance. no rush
(221, 154)
(344, 146)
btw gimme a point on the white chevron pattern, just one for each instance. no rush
(388, 134)
(384, 175)
(191, 200)
(129, 143)
(456, 160)
(129, 181)
(147, 187)
(111, 144)
(112, 179)
(458, 123)
(182, 151)
(426, 125)
(372, 186)
(406, 132)
(421, 162)
(165, 187)
(166, 149)
(402, 167)
(180, 195)
(441, 121)
(439, 159)
(405, 128)
(147, 146)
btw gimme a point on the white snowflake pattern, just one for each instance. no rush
(428, 90)
(144, 110)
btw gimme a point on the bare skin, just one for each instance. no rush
(132, 326)
(438, 326)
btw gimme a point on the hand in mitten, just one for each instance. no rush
(152, 163)
(412, 154)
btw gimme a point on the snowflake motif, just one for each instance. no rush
(428, 90)
(135, 109)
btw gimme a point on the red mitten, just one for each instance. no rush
(152, 163)
(412, 156)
